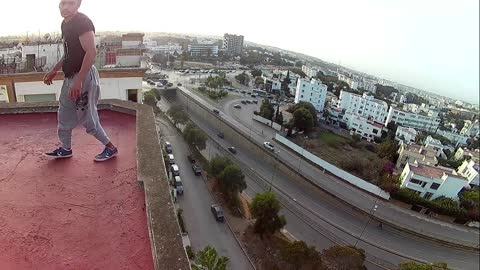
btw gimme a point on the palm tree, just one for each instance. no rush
(208, 259)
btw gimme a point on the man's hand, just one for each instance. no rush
(75, 89)
(47, 79)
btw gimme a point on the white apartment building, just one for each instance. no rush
(471, 128)
(431, 182)
(406, 134)
(312, 91)
(310, 71)
(168, 48)
(413, 120)
(362, 126)
(456, 138)
(233, 44)
(469, 169)
(132, 40)
(53, 52)
(203, 50)
(468, 154)
(438, 146)
(365, 105)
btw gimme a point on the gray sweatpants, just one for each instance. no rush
(83, 110)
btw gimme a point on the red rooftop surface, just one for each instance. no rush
(72, 213)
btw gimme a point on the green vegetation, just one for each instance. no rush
(415, 99)
(265, 207)
(195, 136)
(218, 81)
(303, 120)
(180, 220)
(209, 259)
(213, 94)
(299, 255)
(151, 97)
(178, 115)
(306, 105)
(190, 252)
(384, 92)
(256, 73)
(229, 177)
(266, 109)
(243, 78)
(422, 266)
(344, 257)
(332, 139)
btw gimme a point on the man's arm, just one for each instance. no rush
(87, 40)
(58, 66)
(47, 79)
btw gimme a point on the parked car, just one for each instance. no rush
(178, 185)
(196, 169)
(244, 102)
(216, 111)
(253, 96)
(237, 106)
(248, 101)
(269, 146)
(171, 159)
(221, 135)
(168, 147)
(191, 159)
(243, 91)
(179, 84)
(169, 84)
(232, 149)
(217, 212)
(255, 101)
(175, 170)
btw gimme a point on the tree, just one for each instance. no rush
(178, 115)
(256, 73)
(243, 78)
(302, 120)
(414, 98)
(266, 109)
(259, 80)
(470, 199)
(232, 180)
(209, 259)
(344, 258)
(279, 118)
(150, 99)
(388, 149)
(307, 105)
(299, 64)
(265, 208)
(422, 266)
(286, 82)
(217, 165)
(195, 136)
(299, 254)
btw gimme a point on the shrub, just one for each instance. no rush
(180, 220)
(190, 252)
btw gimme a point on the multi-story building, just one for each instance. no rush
(203, 50)
(412, 153)
(365, 105)
(467, 154)
(312, 91)
(469, 169)
(470, 128)
(417, 121)
(431, 182)
(438, 146)
(456, 138)
(406, 135)
(310, 71)
(170, 48)
(233, 44)
(362, 126)
(132, 40)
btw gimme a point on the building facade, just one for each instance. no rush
(233, 44)
(413, 120)
(468, 154)
(407, 135)
(310, 71)
(432, 182)
(416, 153)
(132, 40)
(362, 126)
(203, 50)
(469, 169)
(365, 105)
(312, 91)
(456, 138)
(52, 52)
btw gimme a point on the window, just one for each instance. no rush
(428, 195)
(415, 181)
(434, 186)
(301, 96)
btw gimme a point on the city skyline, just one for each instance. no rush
(433, 49)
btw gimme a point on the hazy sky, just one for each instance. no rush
(429, 44)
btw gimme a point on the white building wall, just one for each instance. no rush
(311, 91)
(409, 134)
(413, 120)
(110, 88)
(365, 105)
(363, 127)
(53, 53)
(131, 44)
(128, 60)
(455, 138)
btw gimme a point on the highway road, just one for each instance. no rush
(202, 228)
(317, 213)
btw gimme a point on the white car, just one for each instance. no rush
(269, 146)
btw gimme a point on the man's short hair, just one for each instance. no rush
(79, 2)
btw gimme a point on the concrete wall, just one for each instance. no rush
(267, 122)
(343, 175)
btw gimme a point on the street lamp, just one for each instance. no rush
(372, 213)
(303, 152)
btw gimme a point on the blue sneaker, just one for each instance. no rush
(59, 153)
(106, 154)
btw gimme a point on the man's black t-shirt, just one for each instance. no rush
(73, 51)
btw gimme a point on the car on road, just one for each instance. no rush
(216, 111)
(232, 149)
(179, 84)
(237, 106)
(221, 135)
(244, 102)
(243, 92)
(196, 169)
(269, 146)
(171, 159)
(217, 212)
(253, 96)
(191, 159)
(255, 101)
(168, 147)
(175, 170)
(169, 84)
(178, 185)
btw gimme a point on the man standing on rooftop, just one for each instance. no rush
(81, 88)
